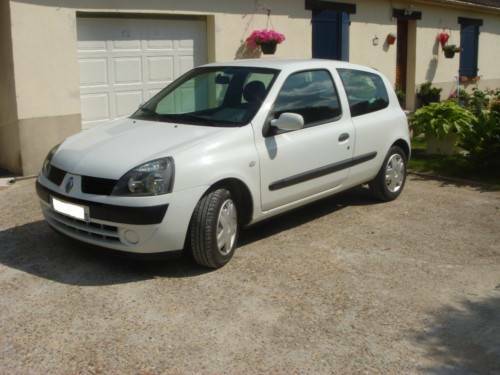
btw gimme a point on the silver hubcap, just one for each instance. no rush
(395, 173)
(227, 227)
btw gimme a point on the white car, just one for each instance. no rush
(222, 147)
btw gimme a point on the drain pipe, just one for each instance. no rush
(13, 180)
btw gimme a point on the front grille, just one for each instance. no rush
(99, 186)
(56, 175)
(96, 231)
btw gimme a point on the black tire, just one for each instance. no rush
(203, 230)
(379, 186)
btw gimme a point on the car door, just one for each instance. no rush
(297, 164)
(375, 120)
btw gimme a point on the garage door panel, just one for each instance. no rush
(127, 102)
(151, 93)
(94, 72)
(160, 69)
(186, 44)
(91, 46)
(186, 63)
(124, 62)
(159, 44)
(128, 45)
(95, 107)
(127, 70)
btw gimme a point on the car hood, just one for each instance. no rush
(111, 150)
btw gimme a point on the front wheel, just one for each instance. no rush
(214, 229)
(391, 178)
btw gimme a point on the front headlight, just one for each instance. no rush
(48, 159)
(152, 178)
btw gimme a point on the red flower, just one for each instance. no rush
(443, 38)
(264, 36)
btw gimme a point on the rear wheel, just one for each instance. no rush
(214, 229)
(391, 178)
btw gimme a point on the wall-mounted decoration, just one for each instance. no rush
(391, 38)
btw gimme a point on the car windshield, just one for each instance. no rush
(218, 96)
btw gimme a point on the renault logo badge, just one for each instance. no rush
(69, 185)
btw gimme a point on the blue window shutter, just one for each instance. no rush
(344, 36)
(330, 31)
(325, 39)
(469, 42)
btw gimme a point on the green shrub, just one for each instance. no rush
(482, 140)
(428, 94)
(478, 100)
(441, 119)
(495, 105)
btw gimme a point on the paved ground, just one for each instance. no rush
(342, 286)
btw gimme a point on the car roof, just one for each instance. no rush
(292, 64)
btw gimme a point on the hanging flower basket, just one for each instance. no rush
(268, 48)
(266, 39)
(450, 50)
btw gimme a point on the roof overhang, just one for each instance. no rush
(461, 5)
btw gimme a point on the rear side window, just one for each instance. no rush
(366, 91)
(311, 94)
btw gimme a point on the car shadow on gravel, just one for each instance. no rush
(358, 196)
(456, 182)
(36, 249)
(465, 339)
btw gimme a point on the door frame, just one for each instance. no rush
(410, 17)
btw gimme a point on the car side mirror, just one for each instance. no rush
(288, 121)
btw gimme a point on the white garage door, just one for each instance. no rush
(125, 61)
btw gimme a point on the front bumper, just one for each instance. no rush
(155, 228)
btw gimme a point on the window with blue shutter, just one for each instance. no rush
(469, 43)
(330, 31)
(330, 28)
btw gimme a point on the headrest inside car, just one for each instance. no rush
(254, 92)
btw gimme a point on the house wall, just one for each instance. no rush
(46, 72)
(426, 61)
(373, 19)
(431, 63)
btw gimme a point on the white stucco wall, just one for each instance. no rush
(431, 62)
(373, 19)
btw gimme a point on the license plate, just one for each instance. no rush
(70, 209)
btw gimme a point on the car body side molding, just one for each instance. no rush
(321, 171)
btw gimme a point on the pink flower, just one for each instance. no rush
(264, 36)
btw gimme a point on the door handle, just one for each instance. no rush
(343, 137)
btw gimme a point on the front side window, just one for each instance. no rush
(365, 91)
(311, 94)
(219, 96)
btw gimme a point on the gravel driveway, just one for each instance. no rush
(345, 286)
